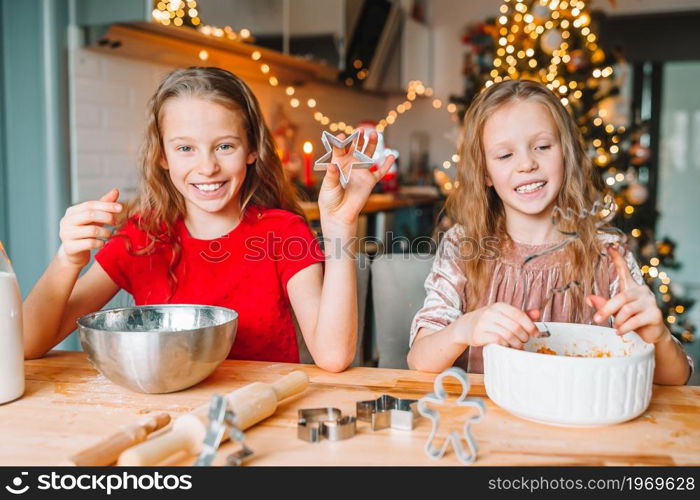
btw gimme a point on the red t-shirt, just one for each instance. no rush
(246, 270)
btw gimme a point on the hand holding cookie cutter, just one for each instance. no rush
(363, 161)
(439, 397)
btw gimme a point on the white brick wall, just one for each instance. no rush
(109, 94)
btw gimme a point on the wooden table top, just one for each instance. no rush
(68, 406)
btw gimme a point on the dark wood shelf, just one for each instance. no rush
(181, 46)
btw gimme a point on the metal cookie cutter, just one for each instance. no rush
(221, 417)
(316, 423)
(388, 411)
(361, 159)
(439, 397)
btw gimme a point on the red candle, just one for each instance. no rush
(308, 151)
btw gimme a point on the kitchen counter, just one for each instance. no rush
(69, 406)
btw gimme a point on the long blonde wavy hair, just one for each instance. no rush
(159, 204)
(480, 212)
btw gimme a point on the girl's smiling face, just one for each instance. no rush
(524, 160)
(206, 153)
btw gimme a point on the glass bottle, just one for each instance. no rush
(11, 340)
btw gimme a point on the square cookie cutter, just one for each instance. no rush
(388, 411)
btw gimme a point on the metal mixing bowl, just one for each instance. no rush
(158, 349)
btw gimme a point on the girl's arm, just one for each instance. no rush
(635, 309)
(326, 306)
(326, 310)
(440, 332)
(436, 350)
(498, 323)
(60, 297)
(672, 366)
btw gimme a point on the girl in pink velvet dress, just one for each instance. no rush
(522, 155)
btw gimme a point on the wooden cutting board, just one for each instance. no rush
(68, 406)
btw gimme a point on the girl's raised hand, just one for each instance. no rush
(83, 225)
(498, 323)
(343, 205)
(634, 307)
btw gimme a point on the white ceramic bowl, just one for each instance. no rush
(572, 391)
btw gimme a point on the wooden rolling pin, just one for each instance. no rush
(251, 404)
(107, 451)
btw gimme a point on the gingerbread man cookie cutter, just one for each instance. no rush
(438, 398)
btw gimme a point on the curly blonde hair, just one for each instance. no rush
(480, 212)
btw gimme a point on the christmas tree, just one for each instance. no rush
(554, 42)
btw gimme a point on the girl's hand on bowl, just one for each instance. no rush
(82, 228)
(634, 307)
(498, 323)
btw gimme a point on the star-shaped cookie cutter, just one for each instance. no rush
(363, 161)
(316, 423)
(388, 411)
(439, 397)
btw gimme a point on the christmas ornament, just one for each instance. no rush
(637, 193)
(640, 154)
(550, 40)
(598, 56)
(540, 12)
(577, 62)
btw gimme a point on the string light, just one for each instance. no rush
(173, 12)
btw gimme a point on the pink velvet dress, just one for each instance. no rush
(445, 287)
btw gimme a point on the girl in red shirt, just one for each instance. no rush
(215, 222)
